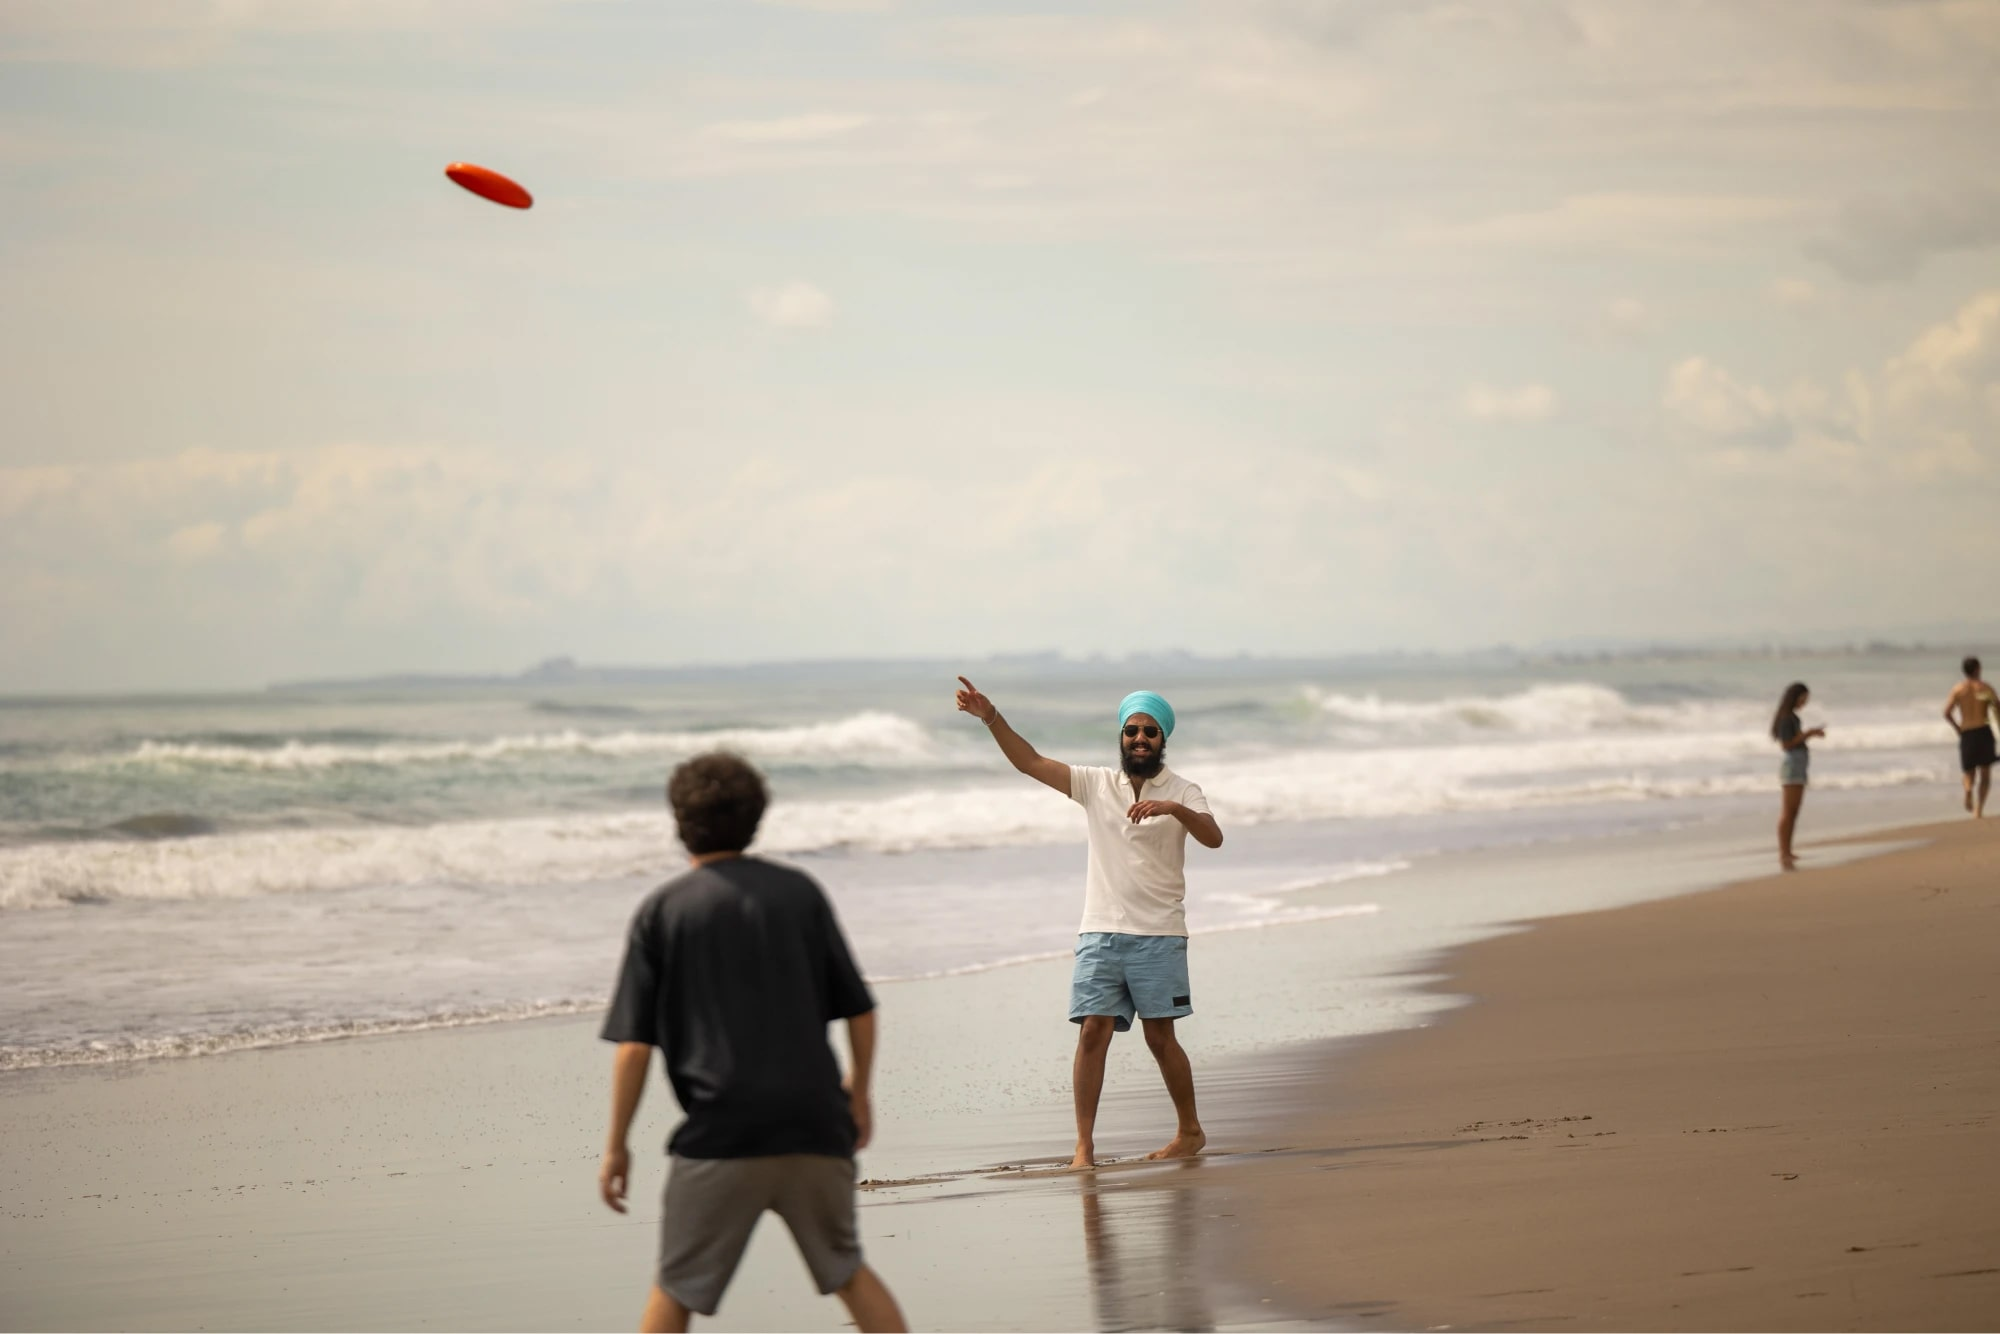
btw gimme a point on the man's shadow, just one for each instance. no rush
(1144, 1253)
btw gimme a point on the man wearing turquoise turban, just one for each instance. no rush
(1131, 950)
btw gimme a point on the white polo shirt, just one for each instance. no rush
(1136, 879)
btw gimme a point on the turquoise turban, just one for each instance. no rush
(1154, 706)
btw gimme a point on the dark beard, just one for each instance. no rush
(1143, 769)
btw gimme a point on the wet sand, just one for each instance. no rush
(446, 1179)
(1772, 1106)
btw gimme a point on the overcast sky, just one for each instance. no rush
(883, 328)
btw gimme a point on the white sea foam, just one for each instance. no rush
(1338, 876)
(1274, 787)
(870, 738)
(1360, 756)
(1543, 710)
(1223, 913)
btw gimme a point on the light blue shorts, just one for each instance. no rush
(1122, 976)
(1792, 768)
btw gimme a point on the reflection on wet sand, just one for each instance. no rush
(1142, 1245)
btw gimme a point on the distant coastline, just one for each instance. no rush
(1946, 643)
(1165, 665)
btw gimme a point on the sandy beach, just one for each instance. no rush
(1766, 1107)
(1772, 1074)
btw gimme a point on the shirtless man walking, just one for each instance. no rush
(1131, 950)
(1972, 699)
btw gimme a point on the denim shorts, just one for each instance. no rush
(1792, 769)
(1122, 976)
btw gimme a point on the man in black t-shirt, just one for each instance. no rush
(733, 971)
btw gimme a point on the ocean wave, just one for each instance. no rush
(163, 824)
(1542, 710)
(549, 850)
(1271, 788)
(870, 738)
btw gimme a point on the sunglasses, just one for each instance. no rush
(1134, 729)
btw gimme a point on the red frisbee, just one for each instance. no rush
(489, 184)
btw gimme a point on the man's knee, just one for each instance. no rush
(1094, 1031)
(1160, 1035)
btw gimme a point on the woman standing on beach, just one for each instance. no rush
(1792, 736)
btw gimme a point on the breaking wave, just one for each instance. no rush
(865, 738)
(569, 849)
(1543, 710)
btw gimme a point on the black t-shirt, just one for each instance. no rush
(733, 971)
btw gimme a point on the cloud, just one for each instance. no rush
(197, 540)
(1379, 211)
(792, 306)
(1931, 410)
(1891, 238)
(1462, 135)
(1958, 360)
(1941, 396)
(1794, 293)
(1711, 402)
(1523, 403)
(387, 547)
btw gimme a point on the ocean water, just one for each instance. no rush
(188, 875)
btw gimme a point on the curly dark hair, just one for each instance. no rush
(717, 800)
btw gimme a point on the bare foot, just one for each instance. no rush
(1788, 863)
(1085, 1160)
(1184, 1145)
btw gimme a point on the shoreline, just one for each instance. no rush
(445, 1176)
(1766, 1105)
(1313, 897)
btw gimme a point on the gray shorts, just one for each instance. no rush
(713, 1204)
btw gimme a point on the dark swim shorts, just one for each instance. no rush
(1975, 748)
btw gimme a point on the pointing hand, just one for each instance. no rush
(972, 702)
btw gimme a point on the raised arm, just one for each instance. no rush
(1012, 744)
